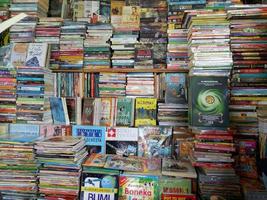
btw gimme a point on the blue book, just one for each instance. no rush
(25, 130)
(94, 137)
(59, 110)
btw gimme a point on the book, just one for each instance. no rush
(18, 54)
(50, 130)
(107, 111)
(208, 101)
(125, 112)
(122, 141)
(139, 187)
(95, 160)
(37, 55)
(94, 137)
(175, 91)
(88, 111)
(175, 185)
(154, 141)
(178, 197)
(145, 111)
(26, 130)
(59, 110)
(99, 183)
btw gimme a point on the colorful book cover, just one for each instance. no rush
(27, 130)
(99, 184)
(37, 55)
(51, 130)
(175, 84)
(94, 137)
(145, 111)
(122, 141)
(174, 185)
(208, 101)
(88, 111)
(18, 54)
(138, 187)
(95, 160)
(125, 112)
(107, 111)
(154, 141)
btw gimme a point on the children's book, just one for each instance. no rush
(94, 137)
(145, 111)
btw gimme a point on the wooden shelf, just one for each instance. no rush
(111, 70)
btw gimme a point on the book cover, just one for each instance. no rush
(107, 111)
(88, 111)
(27, 130)
(18, 54)
(145, 111)
(37, 55)
(95, 160)
(51, 130)
(175, 84)
(99, 184)
(94, 137)
(122, 141)
(138, 187)
(174, 185)
(178, 197)
(208, 101)
(125, 112)
(154, 141)
(59, 110)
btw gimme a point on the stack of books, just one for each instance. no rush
(140, 84)
(208, 40)
(48, 31)
(24, 31)
(71, 45)
(112, 84)
(19, 168)
(249, 76)
(8, 84)
(97, 52)
(153, 29)
(212, 153)
(60, 159)
(126, 23)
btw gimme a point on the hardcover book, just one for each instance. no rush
(94, 137)
(145, 111)
(208, 101)
(121, 141)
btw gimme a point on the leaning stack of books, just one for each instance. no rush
(60, 159)
(48, 31)
(97, 51)
(71, 45)
(24, 31)
(19, 168)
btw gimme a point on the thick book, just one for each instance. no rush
(145, 111)
(94, 137)
(122, 141)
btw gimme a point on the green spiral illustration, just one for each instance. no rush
(210, 101)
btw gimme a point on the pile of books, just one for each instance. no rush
(8, 85)
(208, 40)
(140, 84)
(71, 45)
(153, 30)
(112, 84)
(249, 75)
(19, 168)
(24, 31)
(212, 153)
(177, 55)
(60, 159)
(97, 51)
(48, 31)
